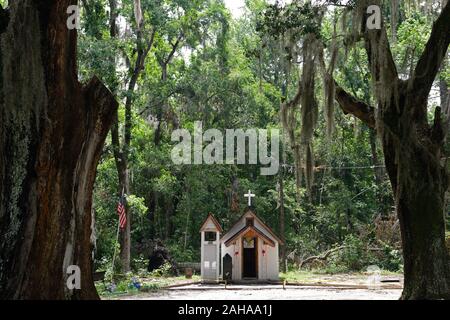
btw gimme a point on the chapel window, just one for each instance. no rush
(210, 236)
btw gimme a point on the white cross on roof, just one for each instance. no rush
(249, 195)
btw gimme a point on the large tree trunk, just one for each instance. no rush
(420, 208)
(413, 157)
(413, 151)
(420, 182)
(419, 179)
(52, 132)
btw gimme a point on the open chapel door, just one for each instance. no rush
(250, 258)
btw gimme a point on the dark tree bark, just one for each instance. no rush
(378, 172)
(413, 150)
(445, 98)
(52, 131)
(375, 159)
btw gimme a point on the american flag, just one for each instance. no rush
(122, 213)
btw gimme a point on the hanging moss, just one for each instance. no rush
(329, 84)
(309, 106)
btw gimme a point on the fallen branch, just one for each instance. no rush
(322, 257)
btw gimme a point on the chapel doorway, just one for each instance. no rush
(250, 255)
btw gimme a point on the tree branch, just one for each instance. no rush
(382, 64)
(432, 57)
(322, 257)
(150, 42)
(118, 154)
(351, 105)
(113, 18)
(139, 66)
(163, 62)
(174, 48)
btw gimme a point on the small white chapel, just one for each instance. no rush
(249, 250)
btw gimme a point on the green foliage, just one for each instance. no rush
(140, 264)
(354, 257)
(137, 206)
(391, 260)
(358, 253)
(179, 253)
(150, 287)
(412, 34)
(303, 18)
(163, 271)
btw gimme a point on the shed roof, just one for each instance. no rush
(213, 220)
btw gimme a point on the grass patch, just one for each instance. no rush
(321, 276)
(298, 276)
(168, 281)
(147, 284)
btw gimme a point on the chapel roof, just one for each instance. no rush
(251, 210)
(246, 230)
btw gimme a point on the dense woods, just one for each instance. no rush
(363, 115)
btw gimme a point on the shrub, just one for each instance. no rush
(151, 287)
(140, 264)
(391, 259)
(164, 271)
(354, 257)
(181, 254)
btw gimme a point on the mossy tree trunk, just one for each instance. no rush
(413, 151)
(52, 131)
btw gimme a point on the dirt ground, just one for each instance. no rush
(269, 293)
(326, 287)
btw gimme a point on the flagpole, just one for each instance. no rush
(117, 238)
(115, 247)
